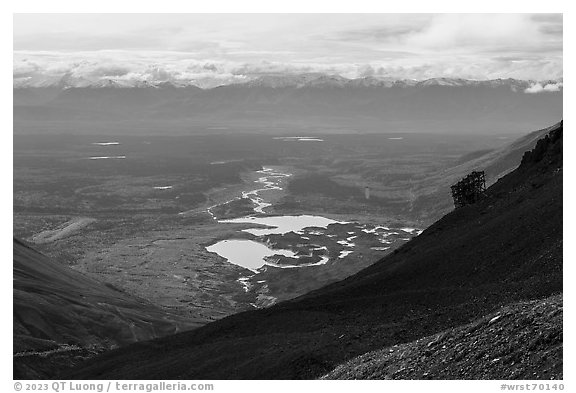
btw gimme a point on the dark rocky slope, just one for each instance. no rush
(519, 341)
(61, 316)
(504, 249)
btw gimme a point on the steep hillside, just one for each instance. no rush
(503, 249)
(59, 312)
(434, 192)
(520, 341)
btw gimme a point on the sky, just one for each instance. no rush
(213, 49)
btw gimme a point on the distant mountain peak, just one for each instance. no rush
(445, 82)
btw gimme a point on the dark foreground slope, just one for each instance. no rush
(60, 314)
(519, 341)
(504, 249)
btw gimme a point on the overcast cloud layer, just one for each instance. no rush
(213, 49)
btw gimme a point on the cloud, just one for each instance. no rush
(471, 32)
(540, 88)
(381, 34)
(223, 48)
(550, 24)
(83, 68)
(556, 30)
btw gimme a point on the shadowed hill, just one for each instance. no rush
(503, 249)
(57, 309)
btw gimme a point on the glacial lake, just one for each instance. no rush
(246, 253)
(279, 225)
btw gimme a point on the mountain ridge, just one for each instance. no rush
(273, 105)
(276, 81)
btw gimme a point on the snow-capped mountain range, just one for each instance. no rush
(272, 81)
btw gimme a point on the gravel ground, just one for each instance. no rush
(520, 341)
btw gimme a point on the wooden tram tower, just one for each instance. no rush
(469, 190)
